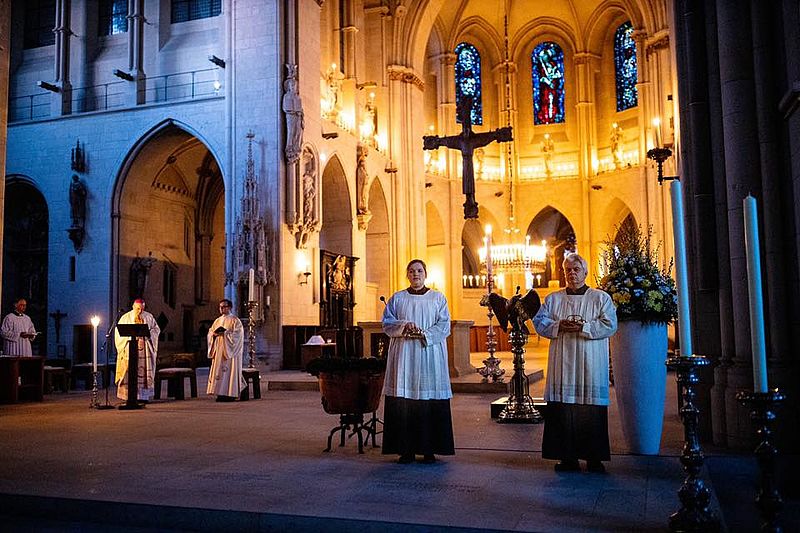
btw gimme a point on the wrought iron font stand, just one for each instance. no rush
(762, 407)
(694, 514)
(251, 332)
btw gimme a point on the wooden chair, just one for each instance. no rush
(181, 366)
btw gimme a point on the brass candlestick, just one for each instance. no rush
(491, 365)
(251, 332)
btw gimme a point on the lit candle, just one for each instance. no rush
(757, 342)
(465, 281)
(251, 287)
(95, 323)
(681, 278)
(488, 240)
(657, 131)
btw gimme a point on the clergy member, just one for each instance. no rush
(147, 348)
(578, 321)
(225, 347)
(18, 331)
(417, 418)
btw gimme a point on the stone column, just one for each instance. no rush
(5, 61)
(585, 65)
(136, 22)
(62, 100)
(348, 35)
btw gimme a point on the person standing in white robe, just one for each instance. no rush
(148, 351)
(578, 321)
(225, 348)
(18, 331)
(417, 418)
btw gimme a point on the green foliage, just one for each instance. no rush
(640, 289)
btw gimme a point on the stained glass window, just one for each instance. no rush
(547, 72)
(40, 17)
(186, 10)
(468, 80)
(625, 67)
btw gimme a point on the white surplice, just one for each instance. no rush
(417, 368)
(13, 325)
(225, 351)
(147, 358)
(577, 364)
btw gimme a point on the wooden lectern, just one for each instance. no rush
(133, 331)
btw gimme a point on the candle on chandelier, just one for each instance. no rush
(757, 342)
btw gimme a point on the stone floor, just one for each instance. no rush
(259, 465)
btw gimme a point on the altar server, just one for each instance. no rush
(225, 348)
(18, 331)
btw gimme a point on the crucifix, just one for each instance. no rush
(466, 142)
(57, 316)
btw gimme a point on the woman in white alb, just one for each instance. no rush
(417, 419)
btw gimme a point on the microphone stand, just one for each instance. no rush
(107, 376)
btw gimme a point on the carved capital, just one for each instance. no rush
(406, 75)
(658, 42)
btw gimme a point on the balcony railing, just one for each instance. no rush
(99, 97)
(29, 107)
(182, 86)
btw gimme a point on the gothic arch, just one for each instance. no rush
(168, 227)
(378, 249)
(436, 252)
(336, 234)
(26, 232)
(553, 226)
(605, 19)
(483, 36)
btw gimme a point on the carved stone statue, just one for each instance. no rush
(309, 186)
(77, 202)
(139, 274)
(293, 108)
(362, 178)
(333, 89)
(479, 154)
(547, 149)
(616, 144)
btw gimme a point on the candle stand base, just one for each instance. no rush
(251, 333)
(694, 514)
(94, 403)
(520, 408)
(762, 407)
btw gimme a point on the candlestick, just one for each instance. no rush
(679, 233)
(757, 342)
(251, 286)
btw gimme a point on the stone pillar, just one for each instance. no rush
(348, 35)
(585, 64)
(405, 114)
(62, 100)
(136, 22)
(5, 61)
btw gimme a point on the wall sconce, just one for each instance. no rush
(48, 86)
(302, 277)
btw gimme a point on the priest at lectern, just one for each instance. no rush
(147, 348)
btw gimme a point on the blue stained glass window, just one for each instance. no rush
(547, 72)
(625, 67)
(468, 80)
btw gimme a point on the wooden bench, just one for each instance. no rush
(181, 367)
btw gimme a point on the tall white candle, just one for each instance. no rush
(95, 323)
(488, 240)
(657, 131)
(681, 278)
(758, 343)
(251, 286)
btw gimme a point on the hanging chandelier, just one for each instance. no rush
(513, 258)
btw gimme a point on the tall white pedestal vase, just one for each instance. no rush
(640, 376)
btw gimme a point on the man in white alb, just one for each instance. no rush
(225, 347)
(18, 331)
(147, 348)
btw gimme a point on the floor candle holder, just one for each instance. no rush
(520, 408)
(762, 407)
(491, 365)
(251, 332)
(695, 497)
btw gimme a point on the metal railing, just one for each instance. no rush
(99, 97)
(182, 86)
(29, 107)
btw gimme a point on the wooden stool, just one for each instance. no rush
(174, 378)
(56, 375)
(251, 377)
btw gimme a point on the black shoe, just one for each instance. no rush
(429, 459)
(568, 466)
(406, 459)
(226, 398)
(595, 467)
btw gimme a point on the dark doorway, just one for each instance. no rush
(25, 245)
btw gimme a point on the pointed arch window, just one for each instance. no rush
(625, 67)
(547, 72)
(468, 79)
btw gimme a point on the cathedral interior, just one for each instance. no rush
(272, 152)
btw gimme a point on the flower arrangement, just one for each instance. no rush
(639, 288)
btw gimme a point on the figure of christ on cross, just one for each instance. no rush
(466, 142)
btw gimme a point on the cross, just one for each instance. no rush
(466, 142)
(57, 316)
